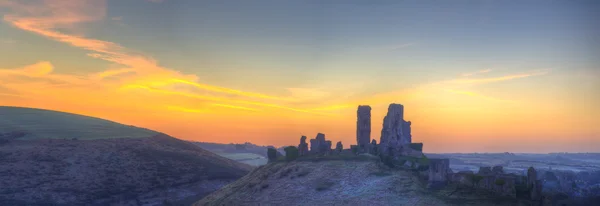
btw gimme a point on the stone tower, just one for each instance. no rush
(363, 126)
(392, 130)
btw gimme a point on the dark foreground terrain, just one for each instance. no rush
(361, 180)
(39, 169)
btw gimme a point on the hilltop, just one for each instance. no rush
(47, 124)
(342, 180)
(393, 171)
(56, 158)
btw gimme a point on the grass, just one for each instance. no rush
(381, 174)
(47, 124)
(346, 157)
(500, 182)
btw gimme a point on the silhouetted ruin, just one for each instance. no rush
(396, 149)
(363, 127)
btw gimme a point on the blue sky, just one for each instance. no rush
(319, 41)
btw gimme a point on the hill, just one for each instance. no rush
(41, 163)
(361, 180)
(45, 124)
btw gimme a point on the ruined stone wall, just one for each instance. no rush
(319, 144)
(363, 126)
(406, 132)
(303, 146)
(493, 180)
(396, 132)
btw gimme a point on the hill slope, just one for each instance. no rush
(339, 182)
(44, 124)
(37, 168)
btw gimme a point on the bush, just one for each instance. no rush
(475, 179)
(500, 182)
(291, 153)
(416, 146)
(354, 149)
(387, 160)
(272, 154)
(323, 185)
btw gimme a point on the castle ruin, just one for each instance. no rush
(363, 127)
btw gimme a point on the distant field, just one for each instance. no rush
(248, 158)
(46, 124)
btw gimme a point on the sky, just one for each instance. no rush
(473, 76)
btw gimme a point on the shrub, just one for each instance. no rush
(264, 186)
(475, 178)
(354, 149)
(323, 185)
(291, 153)
(303, 173)
(500, 182)
(381, 174)
(272, 154)
(387, 160)
(416, 146)
(423, 160)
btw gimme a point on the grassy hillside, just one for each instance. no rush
(340, 181)
(43, 161)
(46, 124)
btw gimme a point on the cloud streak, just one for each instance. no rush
(477, 72)
(498, 79)
(473, 94)
(53, 19)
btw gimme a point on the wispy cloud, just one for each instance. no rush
(452, 85)
(54, 19)
(473, 94)
(497, 79)
(477, 72)
(235, 107)
(183, 109)
(401, 46)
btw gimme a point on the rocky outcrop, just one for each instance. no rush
(363, 127)
(395, 133)
(438, 172)
(303, 146)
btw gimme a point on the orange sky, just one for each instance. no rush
(493, 109)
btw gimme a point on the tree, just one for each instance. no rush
(291, 153)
